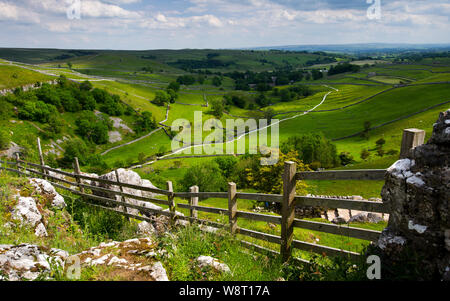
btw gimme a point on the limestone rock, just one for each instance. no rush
(158, 272)
(27, 261)
(417, 193)
(44, 187)
(129, 177)
(366, 217)
(208, 261)
(27, 212)
(146, 228)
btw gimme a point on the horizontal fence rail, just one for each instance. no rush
(360, 174)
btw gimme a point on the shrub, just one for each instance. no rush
(161, 98)
(37, 111)
(268, 179)
(217, 108)
(75, 148)
(365, 154)
(174, 86)
(312, 148)
(207, 176)
(346, 158)
(92, 128)
(226, 165)
(144, 123)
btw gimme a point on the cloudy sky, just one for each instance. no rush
(175, 24)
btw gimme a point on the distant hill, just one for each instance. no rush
(360, 48)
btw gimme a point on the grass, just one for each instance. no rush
(13, 77)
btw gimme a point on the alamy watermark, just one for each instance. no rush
(374, 270)
(374, 10)
(229, 139)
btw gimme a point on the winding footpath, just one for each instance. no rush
(238, 137)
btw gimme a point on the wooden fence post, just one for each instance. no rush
(288, 209)
(170, 198)
(76, 168)
(121, 190)
(193, 201)
(411, 138)
(41, 158)
(17, 163)
(232, 207)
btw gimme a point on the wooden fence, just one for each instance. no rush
(288, 200)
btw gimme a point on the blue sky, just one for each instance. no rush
(176, 24)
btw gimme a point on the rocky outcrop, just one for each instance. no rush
(28, 262)
(129, 177)
(133, 259)
(30, 211)
(417, 192)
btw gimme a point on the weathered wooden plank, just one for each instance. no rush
(8, 163)
(61, 172)
(202, 222)
(411, 139)
(124, 194)
(111, 201)
(50, 177)
(306, 246)
(232, 207)
(142, 218)
(132, 186)
(259, 217)
(260, 235)
(202, 195)
(261, 197)
(258, 248)
(203, 209)
(338, 229)
(288, 209)
(360, 174)
(341, 203)
(193, 201)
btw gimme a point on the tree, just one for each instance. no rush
(380, 143)
(75, 148)
(174, 86)
(216, 81)
(268, 115)
(268, 179)
(86, 86)
(207, 176)
(69, 64)
(226, 165)
(365, 154)
(346, 158)
(285, 95)
(173, 96)
(365, 132)
(217, 108)
(92, 128)
(144, 123)
(161, 98)
(313, 148)
(186, 80)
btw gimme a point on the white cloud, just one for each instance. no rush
(8, 11)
